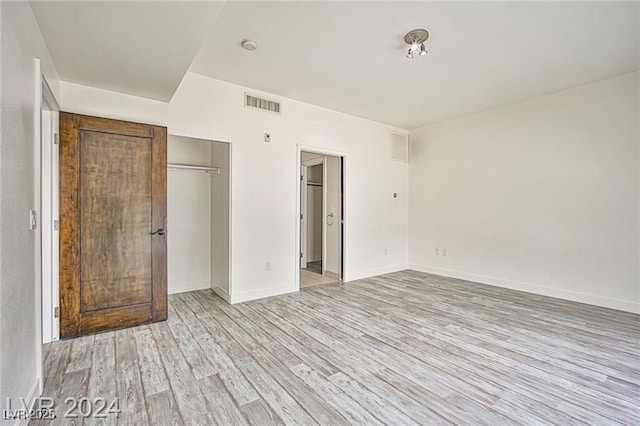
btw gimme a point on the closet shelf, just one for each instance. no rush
(201, 169)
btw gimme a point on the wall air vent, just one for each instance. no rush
(400, 147)
(261, 103)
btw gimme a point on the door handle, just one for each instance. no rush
(159, 231)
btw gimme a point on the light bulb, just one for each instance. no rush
(414, 46)
(423, 50)
(409, 54)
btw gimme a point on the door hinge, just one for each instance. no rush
(301, 216)
(56, 138)
(56, 312)
(301, 178)
(300, 255)
(56, 225)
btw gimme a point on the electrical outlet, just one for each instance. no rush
(267, 137)
(437, 252)
(267, 266)
(444, 252)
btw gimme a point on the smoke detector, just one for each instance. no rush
(249, 44)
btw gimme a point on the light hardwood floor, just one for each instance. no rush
(311, 279)
(400, 349)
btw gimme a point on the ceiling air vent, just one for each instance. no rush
(261, 103)
(400, 147)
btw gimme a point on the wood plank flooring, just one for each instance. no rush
(400, 349)
(315, 267)
(311, 279)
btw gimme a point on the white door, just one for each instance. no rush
(332, 258)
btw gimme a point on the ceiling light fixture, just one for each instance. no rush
(249, 44)
(415, 39)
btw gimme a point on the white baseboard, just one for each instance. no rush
(174, 288)
(590, 299)
(221, 292)
(352, 276)
(245, 296)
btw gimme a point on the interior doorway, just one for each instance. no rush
(198, 215)
(321, 219)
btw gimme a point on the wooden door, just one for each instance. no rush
(113, 206)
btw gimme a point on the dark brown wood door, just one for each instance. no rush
(113, 249)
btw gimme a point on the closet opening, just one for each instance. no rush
(321, 219)
(198, 202)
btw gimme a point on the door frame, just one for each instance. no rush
(171, 131)
(324, 214)
(304, 216)
(49, 216)
(304, 208)
(44, 100)
(298, 230)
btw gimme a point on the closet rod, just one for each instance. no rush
(204, 169)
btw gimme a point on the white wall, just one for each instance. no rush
(20, 43)
(540, 196)
(265, 175)
(188, 216)
(333, 262)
